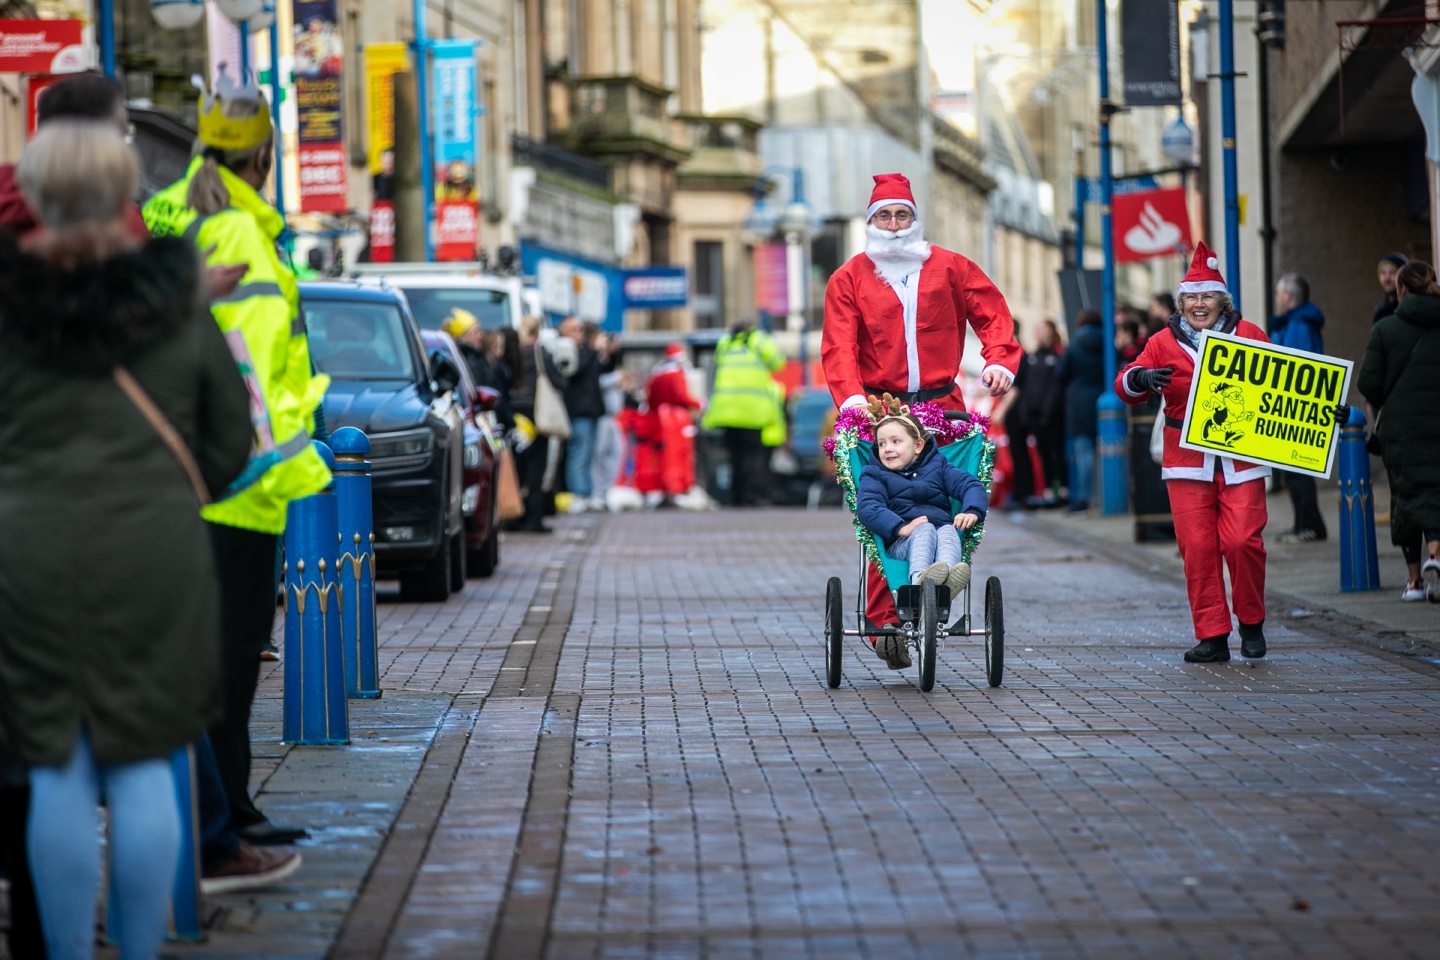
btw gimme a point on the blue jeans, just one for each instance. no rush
(928, 544)
(579, 451)
(1082, 468)
(64, 851)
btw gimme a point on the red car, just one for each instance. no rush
(481, 461)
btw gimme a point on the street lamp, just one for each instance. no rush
(794, 224)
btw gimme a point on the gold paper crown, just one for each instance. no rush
(232, 133)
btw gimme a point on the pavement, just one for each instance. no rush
(622, 746)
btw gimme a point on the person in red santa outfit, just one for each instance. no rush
(895, 319)
(1218, 503)
(668, 396)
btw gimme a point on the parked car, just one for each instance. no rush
(384, 382)
(812, 419)
(481, 460)
(434, 289)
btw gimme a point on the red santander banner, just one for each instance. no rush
(1150, 223)
(41, 46)
(319, 58)
(382, 232)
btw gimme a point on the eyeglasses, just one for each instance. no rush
(1201, 297)
(900, 216)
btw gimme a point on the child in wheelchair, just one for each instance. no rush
(904, 498)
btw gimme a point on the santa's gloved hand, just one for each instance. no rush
(1342, 413)
(1143, 378)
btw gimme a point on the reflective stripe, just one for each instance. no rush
(753, 391)
(192, 232)
(294, 446)
(297, 327)
(247, 290)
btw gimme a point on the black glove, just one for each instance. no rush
(1157, 380)
(1342, 413)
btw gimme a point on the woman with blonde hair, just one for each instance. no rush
(108, 592)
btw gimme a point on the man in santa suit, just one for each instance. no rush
(1218, 503)
(895, 320)
(669, 398)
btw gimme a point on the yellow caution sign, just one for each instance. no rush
(1266, 404)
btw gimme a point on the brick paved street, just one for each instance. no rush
(632, 753)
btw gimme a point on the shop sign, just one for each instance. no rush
(41, 46)
(654, 288)
(1150, 223)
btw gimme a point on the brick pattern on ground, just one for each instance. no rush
(710, 797)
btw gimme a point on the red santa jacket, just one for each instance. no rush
(866, 346)
(1165, 350)
(669, 385)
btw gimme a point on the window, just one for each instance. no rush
(708, 300)
(358, 341)
(432, 305)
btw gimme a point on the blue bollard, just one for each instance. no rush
(185, 925)
(1359, 563)
(315, 710)
(356, 563)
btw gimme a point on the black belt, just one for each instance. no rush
(919, 396)
(1172, 422)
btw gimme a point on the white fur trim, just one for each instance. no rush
(855, 400)
(1202, 286)
(1206, 471)
(870, 213)
(995, 366)
(1125, 384)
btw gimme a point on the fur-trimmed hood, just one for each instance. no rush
(96, 314)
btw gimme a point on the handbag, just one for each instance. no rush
(171, 437)
(1157, 438)
(551, 420)
(508, 502)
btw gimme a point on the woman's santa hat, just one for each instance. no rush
(891, 188)
(1204, 274)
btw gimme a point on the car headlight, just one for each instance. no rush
(407, 443)
(472, 456)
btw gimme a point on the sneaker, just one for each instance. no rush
(1414, 592)
(1301, 536)
(1430, 573)
(1210, 650)
(935, 573)
(892, 650)
(578, 505)
(270, 653)
(957, 579)
(251, 867)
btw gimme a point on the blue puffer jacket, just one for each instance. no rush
(1299, 328)
(889, 499)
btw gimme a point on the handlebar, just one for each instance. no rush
(956, 415)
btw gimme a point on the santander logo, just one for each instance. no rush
(1153, 234)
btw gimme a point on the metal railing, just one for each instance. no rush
(558, 160)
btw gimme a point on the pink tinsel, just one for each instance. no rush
(930, 415)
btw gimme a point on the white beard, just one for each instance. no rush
(896, 253)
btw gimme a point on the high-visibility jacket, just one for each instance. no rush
(743, 397)
(262, 324)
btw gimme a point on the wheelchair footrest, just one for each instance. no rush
(907, 602)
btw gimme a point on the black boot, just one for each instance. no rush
(1252, 640)
(1210, 650)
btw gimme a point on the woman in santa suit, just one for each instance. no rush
(895, 320)
(1218, 503)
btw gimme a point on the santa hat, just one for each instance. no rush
(1204, 274)
(675, 351)
(891, 188)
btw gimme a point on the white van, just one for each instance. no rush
(434, 289)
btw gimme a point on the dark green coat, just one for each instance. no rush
(108, 602)
(1400, 376)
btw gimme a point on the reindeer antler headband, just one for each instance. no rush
(886, 408)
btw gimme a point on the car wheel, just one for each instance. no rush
(485, 558)
(457, 562)
(431, 583)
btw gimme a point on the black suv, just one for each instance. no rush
(383, 382)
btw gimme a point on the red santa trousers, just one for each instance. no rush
(1215, 520)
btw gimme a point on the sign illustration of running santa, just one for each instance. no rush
(895, 318)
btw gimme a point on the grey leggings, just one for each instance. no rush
(928, 544)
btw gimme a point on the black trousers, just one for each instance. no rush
(245, 564)
(1050, 444)
(530, 468)
(25, 937)
(750, 479)
(1306, 502)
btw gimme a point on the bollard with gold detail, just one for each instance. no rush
(355, 559)
(1359, 562)
(316, 711)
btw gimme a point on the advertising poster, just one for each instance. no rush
(457, 200)
(319, 58)
(41, 46)
(382, 62)
(1150, 44)
(772, 295)
(1151, 223)
(1266, 404)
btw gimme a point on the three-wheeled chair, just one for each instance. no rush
(924, 608)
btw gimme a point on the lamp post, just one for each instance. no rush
(794, 225)
(1109, 409)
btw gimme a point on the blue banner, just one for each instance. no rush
(457, 201)
(651, 288)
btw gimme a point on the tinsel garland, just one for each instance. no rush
(853, 427)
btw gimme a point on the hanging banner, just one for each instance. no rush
(319, 58)
(771, 278)
(1150, 52)
(382, 62)
(457, 201)
(1150, 223)
(41, 46)
(1263, 403)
